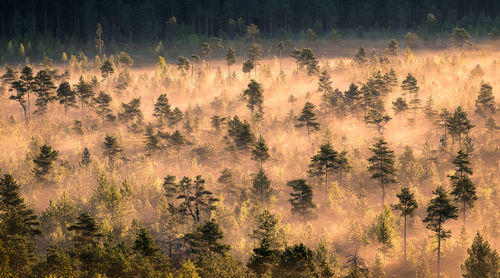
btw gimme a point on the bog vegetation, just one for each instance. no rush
(252, 157)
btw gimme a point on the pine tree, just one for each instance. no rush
(255, 54)
(260, 152)
(261, 188)
(44, 89)
(86, 230)
(85, 157)
(352, 98)
(265, 257)
(384, 230)
(145, 244)
(295, 261)
(378, 268)
(102, 103)
(206, 51)
(491, 125)
(399, 106)
(195, 198)
(18, 226)
(66, 96)
(307, 59)
(356, 267)
(111, 148)
(360, 56)
(230, 57)
(382, 165)
(458, 124)
(392, 48)
(151, 139)
(409, 85)
(244, 139)
(482, 261)
(183, 64)
(9, 76)
(485, 103)
(27, 82)
(107, 69)
(308, 119)
(301, 199)
(323, 163)
(444, 117)
(248, 66)
(175, 117)
(378, 119)
(43, 161)
(463, 189)
(325, 83)
(19, 97)
(407, 205)
(439, 211)
(85, 94)
(207, 238)
(254, 96)
(460, 36)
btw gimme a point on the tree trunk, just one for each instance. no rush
(464, 212)
(439, 255)
(405, 238)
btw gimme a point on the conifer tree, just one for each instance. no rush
(44, 89)
(255, 54)
(111, 148)
(382, 165)
(356, 267)
(175, 117)
(254, 96)
(485, 103)
(443, 123)
(295, 261)
(85, 94)
(399, 106)
(360, 56)
(20, 97)
(43, 161)
(27, 82)
(460, 37)
(324, 83)
(308, 119)
(491, 125)
(301, 199)
(195, 199)
(352, 98)
(207, 238)
(439, 211)
(85, 161)
(248, 66)
(458, 124)
(261, 188)
(378, 268)
(230, 57)
(407, 205)
(102, 103)
(151, 139)
(206, 51)
(18, 226)
(323, 163)
(107, 69)
(384, 230)
(265, 257)
(9, 76)
(183, 64)
(66, 96)
(409, 85)
(260, 152)
(392, 48)
(482, 261)
(463, 189)
(378, 119)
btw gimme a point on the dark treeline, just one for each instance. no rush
(127, 20)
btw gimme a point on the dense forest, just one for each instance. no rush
(226, 139)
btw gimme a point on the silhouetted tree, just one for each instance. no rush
(485, 103)
(482, 261)
(207, 238)
(301, 199)
(195, 199)
(260, 152)
(44, 89)
(66, 96)
(463, 189)
(107, 69)
(308, 119)
(43, 161)
(261, 188)
(382, 165)
(111, 148)
(407, 205)
(254, 96)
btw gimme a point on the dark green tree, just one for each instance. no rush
(392, 48)
(9, 76)
(255, 54)
(195, 199)
(85, 161)
(66, 96)
(460, 37)
(409, 85)
(296, 261)
(27, 82)
(230, 57)
(265, 257)
(183, 64)
(356, 267)
(151, 139)
(407, 205)
(107, 69)
(458, 124)
(43, 162)
(378, 119)
(207, 238)
(482, 261)
(360, 56)
(399, 106)
(44, 89)
(485, 103)
(463, 189)
(301, 199)
(112, 148)
(85, 94)
(254, 96)
(261, 188)
(18, 226)
(261, 152)
(248, 66)
(382, 165)
(308, 119)
(439, 211)
(175, 117)
(20, 97)
(102, 103)
(324, 162)
(131, 111)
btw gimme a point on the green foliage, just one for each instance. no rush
(301, 199)
(66, 96)
(43, 162)
(44, 89)
(111, 148)
(308, 119)
(463, 189)
(206, 239)
(261, 188)
(254, 96)
(385, 230)
(295, 261)
(107, 69)
(485, 103)
(460, 37)
(382, 165)
(260, 152)
(482, 261)
(195, 199)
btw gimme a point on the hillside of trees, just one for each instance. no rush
(250, 156)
